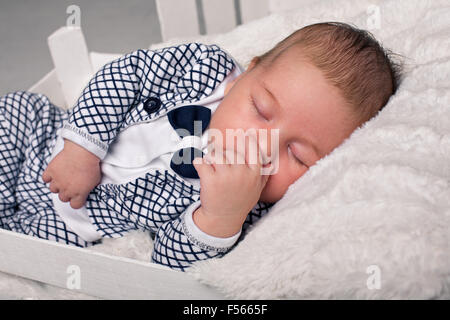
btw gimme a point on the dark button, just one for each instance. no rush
(151, 105)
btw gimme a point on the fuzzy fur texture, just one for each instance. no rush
(378, 205)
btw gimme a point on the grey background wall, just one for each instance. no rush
(108, 25)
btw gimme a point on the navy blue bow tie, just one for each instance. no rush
(190, 122)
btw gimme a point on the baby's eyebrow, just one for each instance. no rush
(302, 139)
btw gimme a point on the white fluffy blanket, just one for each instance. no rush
(372, 219)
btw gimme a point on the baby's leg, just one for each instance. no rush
(28, 125)
(13, 142)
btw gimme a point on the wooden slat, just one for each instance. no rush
(101, 275)
(98, 60)
(220, 15)
(253, 9)
(287, 5)
(71, 59)
(51, 87)
(177, 18)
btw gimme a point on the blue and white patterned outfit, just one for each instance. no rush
(136, 89)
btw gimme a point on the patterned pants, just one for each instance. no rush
(28, 125)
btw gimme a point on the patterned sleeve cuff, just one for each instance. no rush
(202, 239)
(84, 139)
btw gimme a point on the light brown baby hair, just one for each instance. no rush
(351, 59)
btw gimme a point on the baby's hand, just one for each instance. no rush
(73, 173)
(228, 191)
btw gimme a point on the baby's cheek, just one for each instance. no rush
(274, 189)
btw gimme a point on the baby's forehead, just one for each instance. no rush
(289, 70)
(296, 53)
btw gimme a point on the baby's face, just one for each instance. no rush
(293, 96)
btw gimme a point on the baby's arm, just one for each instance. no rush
(179, 243)
(73, 173)
(209, 228)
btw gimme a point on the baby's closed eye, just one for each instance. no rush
(296, 157)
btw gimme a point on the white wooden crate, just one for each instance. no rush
(95, 273)
(104, 275)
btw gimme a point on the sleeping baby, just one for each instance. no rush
(150, 143)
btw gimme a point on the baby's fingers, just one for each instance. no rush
(53, 188)
(46, 177)
(253, 153)
(202, 166)
(63, 196)
(78, 201)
